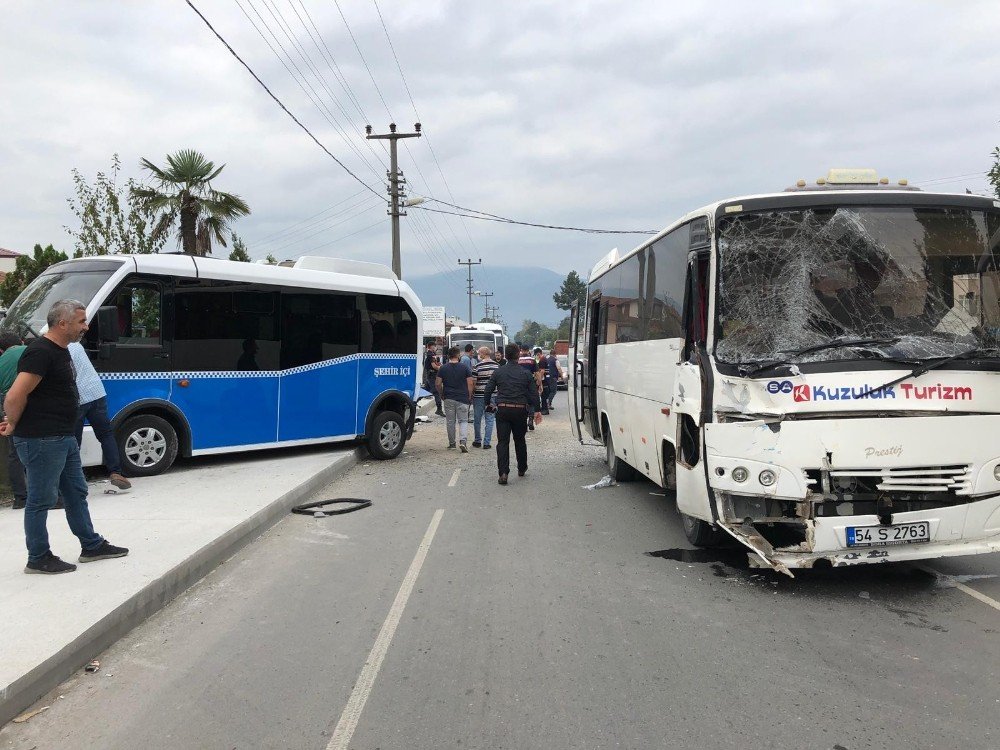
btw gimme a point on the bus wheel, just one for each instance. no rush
(387, 435)
(617, 469)
(700, 533)
(147, 444)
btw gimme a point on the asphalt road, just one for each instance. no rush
(536, 619)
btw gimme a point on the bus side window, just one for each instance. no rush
(140, 313)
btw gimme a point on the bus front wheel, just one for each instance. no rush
(700, 533)
(617, 469)
(147, 445)
(387, 435)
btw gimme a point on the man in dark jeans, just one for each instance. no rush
(431, 367)
(12, 347)
(517, 391)
(94, 409)
(41, 408)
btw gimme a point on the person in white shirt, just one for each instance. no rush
(94, 408)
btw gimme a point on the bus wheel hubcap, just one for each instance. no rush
(145, 446)
(389, 436)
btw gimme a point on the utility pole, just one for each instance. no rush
(470, 263)
(396, 180)
(486, 302)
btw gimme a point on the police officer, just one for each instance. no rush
(516, 391)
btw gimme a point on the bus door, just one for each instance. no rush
(572, 387)
(692, 388)
(584, 368)
(137, 366)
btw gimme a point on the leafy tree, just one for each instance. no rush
(271, 260)
(487, 320)
(572, 291)
(113, 218)
(533, 333)
(186, 195)
(994, 174)
(239, 249)
(562, 332)
(26, 268)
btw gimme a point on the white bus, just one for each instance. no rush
(478, 334)
(202, 356)
(813, 370)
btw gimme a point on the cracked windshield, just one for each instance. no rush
(858, 283)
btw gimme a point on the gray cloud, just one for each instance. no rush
(605, 114)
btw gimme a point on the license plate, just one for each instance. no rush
(881, 536)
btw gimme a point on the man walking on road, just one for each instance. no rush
(41, 408)
(484, 371)
(94, 409)
(456, 383)
(517, 391)
(528, 364)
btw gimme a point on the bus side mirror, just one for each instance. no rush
(107, 324)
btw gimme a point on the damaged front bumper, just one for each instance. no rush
(790, 490)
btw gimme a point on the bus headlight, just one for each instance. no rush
(740, 474)
(996, 472)
(767, 477)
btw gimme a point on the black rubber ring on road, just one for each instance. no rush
(355, 503)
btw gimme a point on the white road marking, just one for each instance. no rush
(987, 600)
(454, 478)
(362, 688)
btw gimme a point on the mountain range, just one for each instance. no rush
(520, 294)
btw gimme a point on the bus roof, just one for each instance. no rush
(366, 277)
(891, 194)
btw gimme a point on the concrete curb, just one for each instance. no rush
(24, 691)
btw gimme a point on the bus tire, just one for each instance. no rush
(387, 435)
(147, 445)
(617, 469)
(700, 533)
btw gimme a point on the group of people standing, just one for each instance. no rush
(509, 392)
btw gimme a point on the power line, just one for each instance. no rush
(290, 242)
(279, 102)
(483, 216)
(288, 230)
(363, 60)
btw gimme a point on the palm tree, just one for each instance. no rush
(185, 192)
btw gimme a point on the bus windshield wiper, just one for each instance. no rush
(927, 367)
(836, 344)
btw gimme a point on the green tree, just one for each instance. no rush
(271, 260)
(533, 333)
(994, 174)
(185, 195)
(562, 332)
(26, 268)
(113, 218)
(572, 291)
(239, 249)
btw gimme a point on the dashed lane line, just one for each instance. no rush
(987, 600)
(454, 478)
(362, 688)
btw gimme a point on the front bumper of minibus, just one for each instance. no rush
(817, 492)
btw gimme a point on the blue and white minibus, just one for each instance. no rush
(203, 356)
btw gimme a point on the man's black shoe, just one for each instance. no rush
(531, 425)
(17, 504)
(49, 565)
(521, 472)
(103, 552)
(502, 479)
(477, 444)
(439, 413)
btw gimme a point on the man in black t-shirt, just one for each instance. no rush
(41, 410)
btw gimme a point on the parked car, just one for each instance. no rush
(563, 361)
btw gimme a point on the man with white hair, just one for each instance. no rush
(41, 410)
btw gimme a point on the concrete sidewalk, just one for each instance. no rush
(177, 526)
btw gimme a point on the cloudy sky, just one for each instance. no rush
(620, 115)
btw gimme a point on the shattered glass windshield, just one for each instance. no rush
(857, 282)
